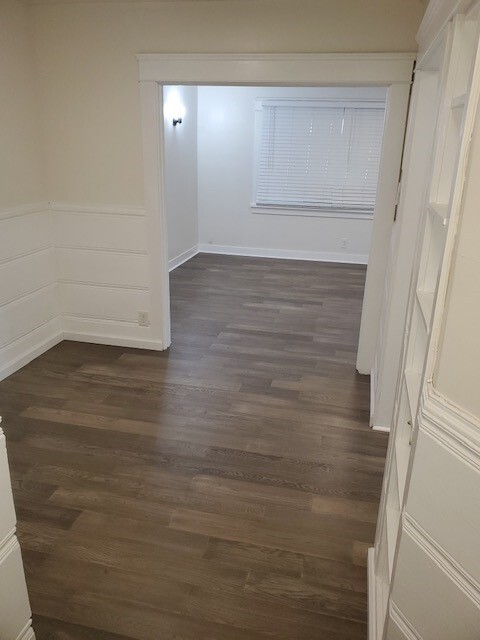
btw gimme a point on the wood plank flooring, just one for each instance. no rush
(225, 489)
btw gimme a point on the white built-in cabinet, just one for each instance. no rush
(424, 571)
(15, 614)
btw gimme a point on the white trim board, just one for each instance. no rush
(27, 632)
(381, 429)
(372, 596)
(114, 341)
(100, 209)
(24, 210)
(276, 68)
(182, 257)
(284, 254)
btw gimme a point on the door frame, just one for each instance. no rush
(392, 70)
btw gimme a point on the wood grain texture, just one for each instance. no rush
(225, 489)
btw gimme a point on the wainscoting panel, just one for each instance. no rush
(102, 273)
(440, 478)
(21, 317)
(99, 331)
(103, 267)
(102, 302)
(96, 230)
(25, 275)
(24, 233)
(425, 579)
(29, 310)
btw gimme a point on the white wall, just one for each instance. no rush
(226, 127)
(29, 321)
(181, 175)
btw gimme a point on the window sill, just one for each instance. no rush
(306, 212)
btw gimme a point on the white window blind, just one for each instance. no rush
(319, 155)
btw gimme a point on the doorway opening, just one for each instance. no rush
(388, 72)
(282, 172)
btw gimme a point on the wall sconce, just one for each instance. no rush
(174, 110)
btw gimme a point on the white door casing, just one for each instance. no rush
(390, 70)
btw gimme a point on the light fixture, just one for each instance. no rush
(173, 109)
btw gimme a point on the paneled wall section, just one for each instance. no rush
(29, 307)
(73, 272)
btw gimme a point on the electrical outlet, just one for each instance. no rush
(143, 320)
(344, 243)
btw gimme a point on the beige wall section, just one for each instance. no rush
(456, 375)
(21, 178)
(88, 71)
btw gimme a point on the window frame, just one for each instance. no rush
(305, 211)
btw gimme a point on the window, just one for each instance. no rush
(318, 157)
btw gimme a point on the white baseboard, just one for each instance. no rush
(32, 346)
(372, 596)
(114, 341)
(376, 427)
(284, 254)
(183, 257)
(95, 338)
(27, 633)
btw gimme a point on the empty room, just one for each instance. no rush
(239, 313)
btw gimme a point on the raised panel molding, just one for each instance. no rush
(442, 559)
(402, 623)
(436, 605)
(453, 427)
(25, 210)
(98, 209)
(20, 277)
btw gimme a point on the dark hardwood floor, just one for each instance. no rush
(225, 489)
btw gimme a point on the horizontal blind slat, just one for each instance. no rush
(326, 157)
